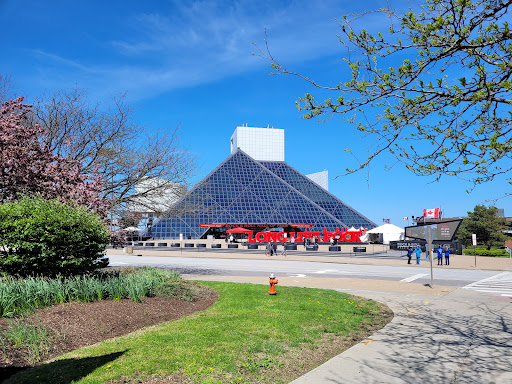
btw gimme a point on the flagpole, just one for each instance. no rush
(429, 251)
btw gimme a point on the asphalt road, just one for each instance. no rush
(246, 267)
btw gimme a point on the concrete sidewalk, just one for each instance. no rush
(461, 337)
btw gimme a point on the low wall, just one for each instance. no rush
(205, 245)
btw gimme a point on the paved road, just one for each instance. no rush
(246, 267)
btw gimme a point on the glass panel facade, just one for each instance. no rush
(244, 191)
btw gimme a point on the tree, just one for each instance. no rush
(49, 238)
(5, 88)
(128, 221)
(485, 223)
(29, 168)
(107, 140)
(444, 109)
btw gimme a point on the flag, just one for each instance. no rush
(386, 220)
(432, 213)
(406, 218)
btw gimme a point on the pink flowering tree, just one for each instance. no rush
(29, 168)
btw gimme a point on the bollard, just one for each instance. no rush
(273, 281)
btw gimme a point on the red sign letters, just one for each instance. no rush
(342, 236)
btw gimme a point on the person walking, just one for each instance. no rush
(268, 250)
(447, 255)
(417, 251)
(284, 250)
(409, 255)
(439, 251)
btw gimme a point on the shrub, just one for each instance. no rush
(48, 237)
(486, 252)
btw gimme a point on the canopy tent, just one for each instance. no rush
(238, 230)
(383, 234)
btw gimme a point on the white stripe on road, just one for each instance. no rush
(500, 284)
(492, 278)
(415, 277)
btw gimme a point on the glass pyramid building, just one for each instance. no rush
(255, 194)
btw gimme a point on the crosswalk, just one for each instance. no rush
(497, 285)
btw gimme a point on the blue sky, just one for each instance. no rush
(191, 63)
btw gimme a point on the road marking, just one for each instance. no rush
(500, 284)
(297, 275)
(415, 277)
(331, 271)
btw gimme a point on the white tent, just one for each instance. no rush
(383, 234)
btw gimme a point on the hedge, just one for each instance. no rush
(485, 252)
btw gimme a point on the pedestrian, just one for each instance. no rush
(332, 240)
(271, 248)
(274, 249)
(439, 251)
(447, 255)
(417, 251)
(231, 238)
(268, 250)
(292, 240)
(409, 255)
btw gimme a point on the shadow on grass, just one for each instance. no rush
(61, 371)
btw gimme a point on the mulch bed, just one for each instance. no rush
(75, 325)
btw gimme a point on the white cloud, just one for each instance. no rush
(198, 42)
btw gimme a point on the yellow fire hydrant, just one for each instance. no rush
(273, 281)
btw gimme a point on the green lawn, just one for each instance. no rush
(247, 336)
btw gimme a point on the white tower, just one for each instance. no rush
(264, 144)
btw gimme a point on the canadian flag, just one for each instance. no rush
(431, 213)
(406, 218)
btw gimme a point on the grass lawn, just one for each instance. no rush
(247, 336)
